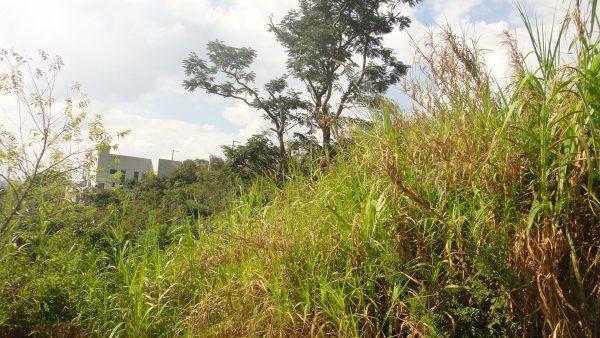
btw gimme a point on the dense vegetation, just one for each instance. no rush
(474, 214)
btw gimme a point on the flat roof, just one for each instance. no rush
(132, 157)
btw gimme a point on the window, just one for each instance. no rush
(136, 175)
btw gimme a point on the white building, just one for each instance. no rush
(131, 168)
(167, 167)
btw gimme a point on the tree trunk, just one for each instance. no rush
(326, 130)
(282, 167)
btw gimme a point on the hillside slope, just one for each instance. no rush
(474, 214)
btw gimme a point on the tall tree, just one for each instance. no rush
(335, 47)
(227, 73)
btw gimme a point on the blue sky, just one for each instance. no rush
(127, 55)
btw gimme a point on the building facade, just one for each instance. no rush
(167, 167)
(129, 167)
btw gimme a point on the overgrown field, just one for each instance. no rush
(474, 214)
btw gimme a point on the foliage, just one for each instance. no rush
(45, 139)
(336, 49)
(476, 214)
(257, 157)
(228, 74)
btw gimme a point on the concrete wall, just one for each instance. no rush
(167, 167)
(134, 168)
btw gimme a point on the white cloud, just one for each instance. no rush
(157, 137)
(128, 56)
(240, 114)
(249, 119)
(158, 34)
(458, 15)
(453, 11)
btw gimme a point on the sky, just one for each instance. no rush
(127, 55)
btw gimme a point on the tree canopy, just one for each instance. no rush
(227, 73)
(335, 47)
(257, 157)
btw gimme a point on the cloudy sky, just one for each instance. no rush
(127, 55)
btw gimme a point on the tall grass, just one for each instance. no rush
(474, 214)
